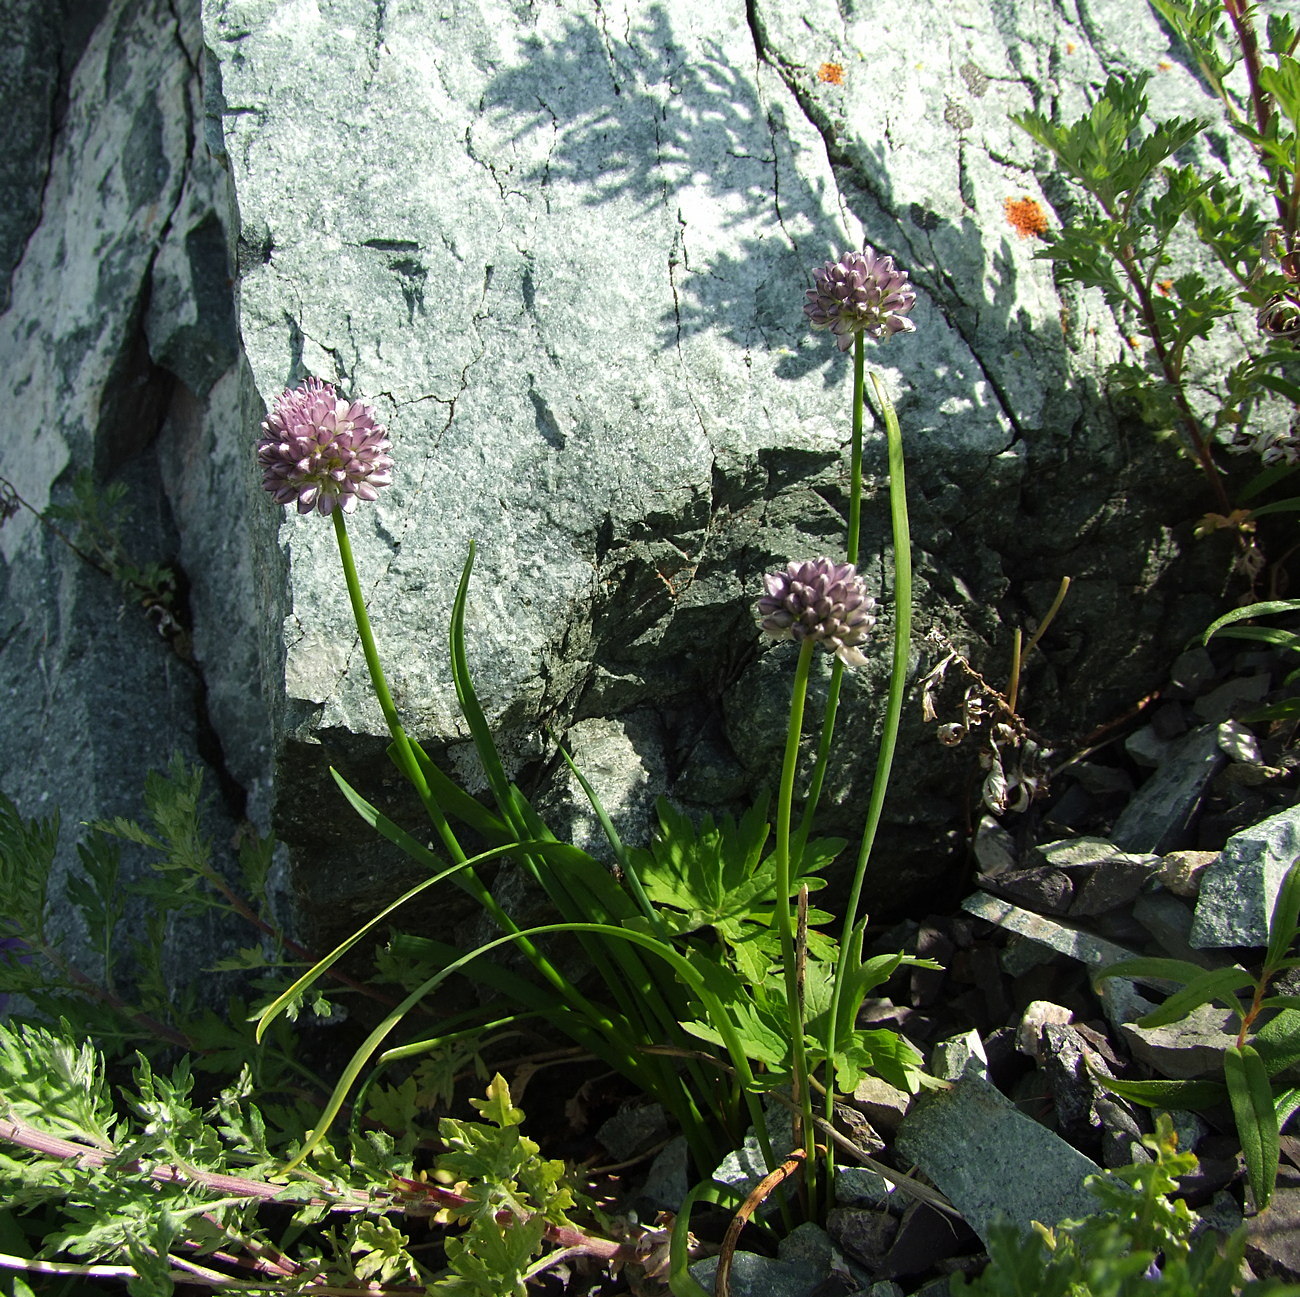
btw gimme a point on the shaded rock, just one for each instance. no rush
(925, 1236)
(1158, 817)
(989, 1159)
(668, 1180)
(995, 848)
(1168, 918)
(1193, 669)
(119, 177)
(1242, 691)
(760, 1276)
(633, 1130)
(1121, 1133)
(1238, 890)
(1273, 1237)
(1145, 747)
(1103, 877)
(1042, 889)
(1186, 1049)
(862, 1234)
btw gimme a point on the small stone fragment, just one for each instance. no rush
(1180, 871)
(1158, 817)
(884, 1105)
(1035, 1017)
(861, 1233)
(958, 1056)
(1239, 742)
(995, 848)
(1146, 747)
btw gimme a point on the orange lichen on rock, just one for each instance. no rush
(831, 73)
(1025, 216)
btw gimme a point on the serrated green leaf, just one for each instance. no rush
(497, 1107)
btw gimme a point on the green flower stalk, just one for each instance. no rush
(826, 603)
(865, 295)
(324, 454)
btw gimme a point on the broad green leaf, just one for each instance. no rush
(1282, 923)
(1190, 1095)
(1217, 986)
(1256, 1118)
(1278, 1041)
(1264, 609)
(1151, 969)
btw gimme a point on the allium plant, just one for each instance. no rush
(861, 295)
(694, 940)
(821, 601)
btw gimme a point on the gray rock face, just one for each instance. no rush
(107, 214)
(1239, 889)
(564, 251)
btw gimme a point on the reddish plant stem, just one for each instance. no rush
(1173, 376)
(1262, 106)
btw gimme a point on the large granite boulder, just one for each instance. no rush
(563, 249)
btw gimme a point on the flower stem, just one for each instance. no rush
(893, 713)
(801, 1093)
(855, 455)
(410, 767)
(851, 553)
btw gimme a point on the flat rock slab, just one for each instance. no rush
(1086, 947)
(1157, 818)
(992, 1161)
(1238, 890)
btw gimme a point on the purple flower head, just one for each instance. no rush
(860, 293)
(820, 601)
(320, 452)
